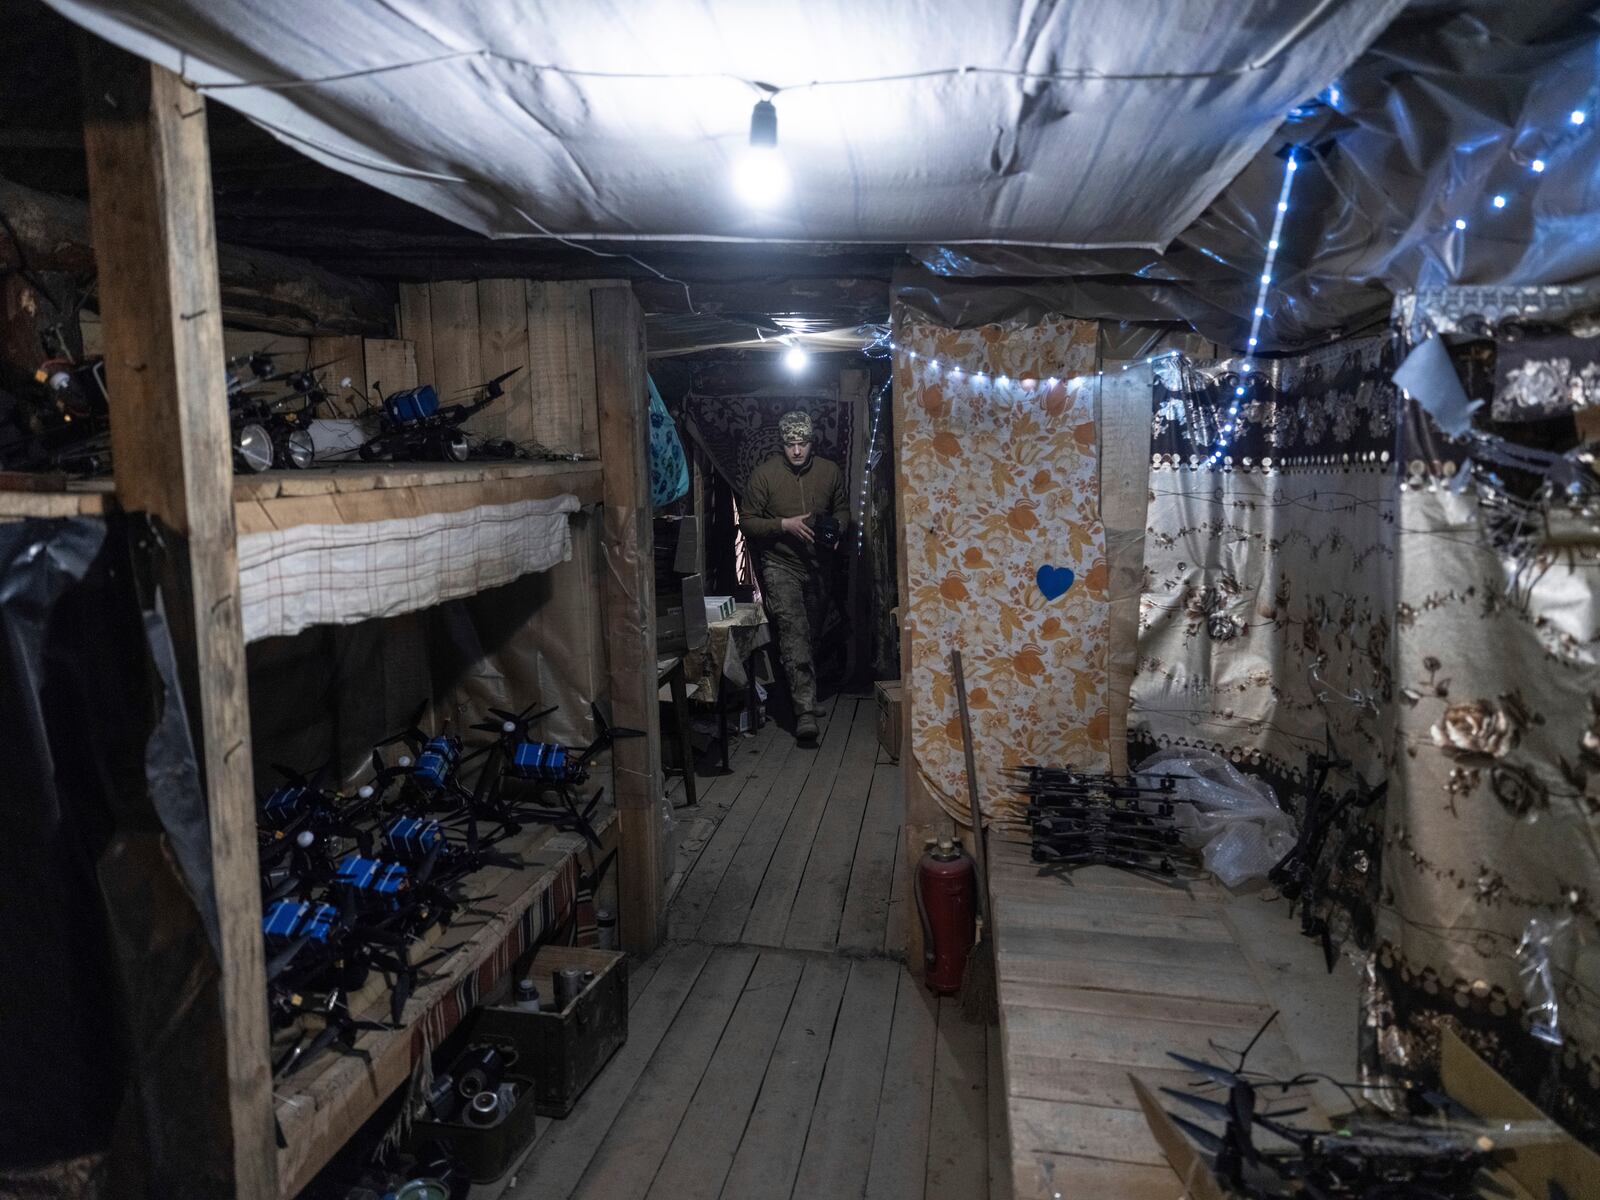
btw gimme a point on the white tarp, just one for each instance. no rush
(291, 579)
(1134, 115)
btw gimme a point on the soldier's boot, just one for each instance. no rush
(804, 693)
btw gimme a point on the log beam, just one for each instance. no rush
(260, 289)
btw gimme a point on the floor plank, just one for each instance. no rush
(863, 926)
(838, 1148)
(818, 904)
(900, 1150)
(752, 848)
(999, 1128)
(774, 901)
(708, 1137)
(626, 1161)
(567, 1146)
(695, 894)
(752, 905)
(774, 1138)
(958, 1164)
(896, 931)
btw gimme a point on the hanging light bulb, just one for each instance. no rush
(795, 358)
(760, 177)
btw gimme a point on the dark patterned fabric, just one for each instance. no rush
(1541, 375)
(1265, 630)
(1494, 817)
(741, 432)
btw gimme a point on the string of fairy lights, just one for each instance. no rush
(1576, 125)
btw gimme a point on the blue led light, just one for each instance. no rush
(1461, 223)
(1283, 206)
(1238, 391)
(1252, 341)
(1273, 244)
(1537, 166)
(1291, 165)
(1333, 95)
(1266, 278)
(1578, 116)
(1499, 201)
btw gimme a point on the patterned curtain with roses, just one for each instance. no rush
(1265, 625)
(1491, 876)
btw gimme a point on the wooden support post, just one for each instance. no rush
(630, 608)
(155, 243)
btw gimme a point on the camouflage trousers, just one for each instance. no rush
(795, 605)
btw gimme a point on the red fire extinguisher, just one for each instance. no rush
(946, 900)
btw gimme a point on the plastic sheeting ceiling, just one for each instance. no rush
(1449, 107)
(1146, 110)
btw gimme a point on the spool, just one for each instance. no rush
(569, 984)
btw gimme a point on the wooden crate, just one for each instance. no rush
(890, 717)
(569, 1047)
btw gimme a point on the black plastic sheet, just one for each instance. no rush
(109, 989)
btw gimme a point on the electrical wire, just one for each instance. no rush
(768, 90)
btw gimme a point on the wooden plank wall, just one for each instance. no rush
(466, 332)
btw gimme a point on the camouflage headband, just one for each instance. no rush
(794, 427)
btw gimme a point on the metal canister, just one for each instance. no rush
(605, 928)
(481, 1069)
(527, 995)
(569, 984)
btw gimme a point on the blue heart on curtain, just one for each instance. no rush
(1054, 581)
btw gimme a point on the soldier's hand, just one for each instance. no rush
(798, 527)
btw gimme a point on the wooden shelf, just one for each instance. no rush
(323, 1104)
(347, 493)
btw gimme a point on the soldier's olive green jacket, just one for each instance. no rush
(775, 491)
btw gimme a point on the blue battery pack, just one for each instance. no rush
(540, 760)
(413, 404)
(434, 764)
(414, 837)
(372, 876)
(319, 924)
(283, 803)
(282, 919)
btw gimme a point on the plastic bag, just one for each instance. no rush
(1543, 942)
(1234, 819)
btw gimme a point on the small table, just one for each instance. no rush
(729, 654)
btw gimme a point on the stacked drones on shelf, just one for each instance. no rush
(350, 881)
(1081, 819)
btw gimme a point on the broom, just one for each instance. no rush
(980, 1000)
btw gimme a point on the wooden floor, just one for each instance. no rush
(776, 1045)
(1103, 972)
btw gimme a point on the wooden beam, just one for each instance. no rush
(630, 608)
(259, 288)
(150, 178)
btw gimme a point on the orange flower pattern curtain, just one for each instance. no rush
(996, 482)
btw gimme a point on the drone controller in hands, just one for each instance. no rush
(827, 530)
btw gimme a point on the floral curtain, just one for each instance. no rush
(1493, 834)
(1005, 555)
(1265, 624)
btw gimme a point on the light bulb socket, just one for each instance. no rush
(764, 124)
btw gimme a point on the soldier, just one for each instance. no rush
(795, 511)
